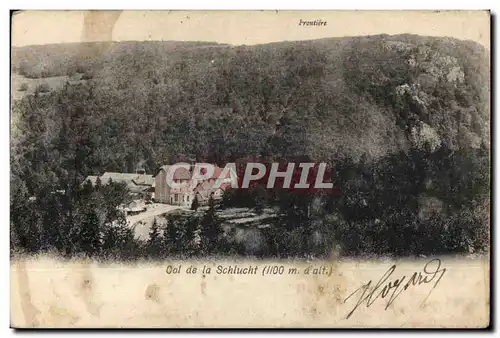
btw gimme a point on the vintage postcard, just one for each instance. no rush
(250, 169)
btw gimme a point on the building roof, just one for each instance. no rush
(206, 188)
(127, 178)
(91, 179)
(181, 173)
(136, 183)
(137, 188)
(144, 180)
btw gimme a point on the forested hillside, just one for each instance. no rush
(390, 107)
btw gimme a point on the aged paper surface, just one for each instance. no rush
(113, 111)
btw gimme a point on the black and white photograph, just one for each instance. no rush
(160, 154)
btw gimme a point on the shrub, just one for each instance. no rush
(42, 88)
(87, 76)
(23, 87)
(71, 72)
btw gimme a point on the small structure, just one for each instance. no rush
(184, 195)
(139, 184)
(134, 208)
(207, 189)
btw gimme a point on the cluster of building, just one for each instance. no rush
(155, 187)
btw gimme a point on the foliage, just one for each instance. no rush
(42, 88)
(195, 204)
(87, 76)
(70, 223)
(404, 119)
(211, 232)
(23, 87)
(154, 244)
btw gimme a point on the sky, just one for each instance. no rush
(240, 27)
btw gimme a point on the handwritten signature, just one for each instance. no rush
(367, 294)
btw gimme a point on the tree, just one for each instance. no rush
(174, 235)
(116, 195)
(260, 198)
(195, 204)
(210, 230)
(23, 87)
(98, 184)
(154, 244)
(42, 88)
(288, 105)
(26, 220)
(89, 237)
(55, 231)
(192, 238)
(119, 242)
(87, 76)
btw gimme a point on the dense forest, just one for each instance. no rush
(404, 120)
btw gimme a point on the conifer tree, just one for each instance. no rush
(154, 241)
(210, 230)
(195, 204)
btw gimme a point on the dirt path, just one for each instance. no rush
(146, 218)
